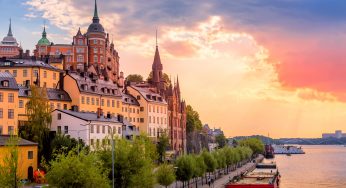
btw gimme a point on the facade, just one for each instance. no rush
(94, 129)
(8, 104)
(27, 156)
(153, 110)
(92, 48)
(337, 134)
(9, 46)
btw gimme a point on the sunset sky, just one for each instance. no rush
(247, 66)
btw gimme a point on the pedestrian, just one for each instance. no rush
(209, 181)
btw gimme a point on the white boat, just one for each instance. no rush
(282, 149)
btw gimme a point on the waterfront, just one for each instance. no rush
(320, 167)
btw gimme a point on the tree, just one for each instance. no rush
(192, 120)
(162, 147)
(77, 171)
(63, 144)
(255, 144)
(185, 168)
(165, 175)
(39, 119)
(134, 78)
(221, 140)
(165, 78)
(200, 167)
(134, 162)
(9, 163)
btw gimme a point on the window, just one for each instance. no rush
(65, 106)
(1, 96)
(44, 84)
(83, 100)
(118, 104)
(95, 50)
(142, 120)
(91, 128)
(66, 129)
(161, 120)
(25, 73)
(59, 129)
(54, 75)
(149, 119)
(88, 100)
(44, 74)
(153, 119)
(93, 101)
(80, 66)
(21, 104)
(5, 83)
(95, 58)
(30, 154)
(154, 132)
(11, 97)
(95, 41)
(108, 103)
(103, 129)
(149, 131)
(97, 101)
(10, 130)
(157, 109)
(149, 108)
(119, 130)
(36, 73)
(80, 42)
(102, 102)
(113, 103)
(52, 106)
(80, 58)
(58, 106)
(97, 128)
(142, 109)
(10, 113)
(15, 73)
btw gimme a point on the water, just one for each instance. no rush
(320, 167)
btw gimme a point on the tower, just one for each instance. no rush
(157, 69)
(9, 46)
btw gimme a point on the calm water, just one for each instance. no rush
(321, 166)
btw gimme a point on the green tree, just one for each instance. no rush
(9, 167)
(134, 78)
(77, 171)
(63, 144)
(165, 175)
(134, 162)
(192, 120)
(221, 140)
(165, 78)
(162, 147)
(200, 167)
(255, 144)
(185, 168)
(39, 119)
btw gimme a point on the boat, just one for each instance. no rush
(283, 149)
(265, 175)
(269, 151)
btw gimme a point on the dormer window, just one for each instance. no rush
(93, 88)
(160, 98)
(149, 96)
(5, 83)
(138, 97)
(154, 98)
(125, 99)
(61, 96)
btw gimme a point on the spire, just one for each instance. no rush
(9, 34)
(79, 32)
(44, 34)
(96, 18)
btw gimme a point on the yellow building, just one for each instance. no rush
(89, 92)
(153, 110)
(27, 156)
(8, 104)
(29, 72)
(131, 110)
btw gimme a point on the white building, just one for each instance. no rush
(93, 128)
(337, 134)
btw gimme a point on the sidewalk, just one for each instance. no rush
(221, 181)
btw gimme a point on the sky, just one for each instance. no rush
(274, 67)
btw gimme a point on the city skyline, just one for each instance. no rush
(241, 68)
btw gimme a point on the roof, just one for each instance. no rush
(52, 93)
(129, 99)
(9, 39)
(22, 142)
(89, 84)
(89, 116)
(149, 95)
(5, 76)
(27, 63)
(95, 26)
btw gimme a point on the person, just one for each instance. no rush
(209, 181)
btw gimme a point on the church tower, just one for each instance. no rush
(157, 68)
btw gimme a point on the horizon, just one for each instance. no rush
(250, 68)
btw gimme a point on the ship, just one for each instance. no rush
(283, 149)
(265, 175)
(269, 151)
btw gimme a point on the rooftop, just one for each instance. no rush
(149, 94)
(11, 81)
(129, 99)
(52, 93)
(22, 142)
(89, 116)
(27, 63)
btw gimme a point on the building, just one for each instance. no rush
(170, 94)
(9, 46)
(95, 129)
(337, 134)
(153, 111)
(92, 48)
(27, 156)
(8, 104)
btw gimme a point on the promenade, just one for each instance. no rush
(221, 179)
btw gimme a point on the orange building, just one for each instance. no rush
(9, 46)
(92, 48)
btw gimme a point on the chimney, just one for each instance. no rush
(61, 81)
(99, 112)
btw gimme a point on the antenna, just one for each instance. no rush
(156, 37)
